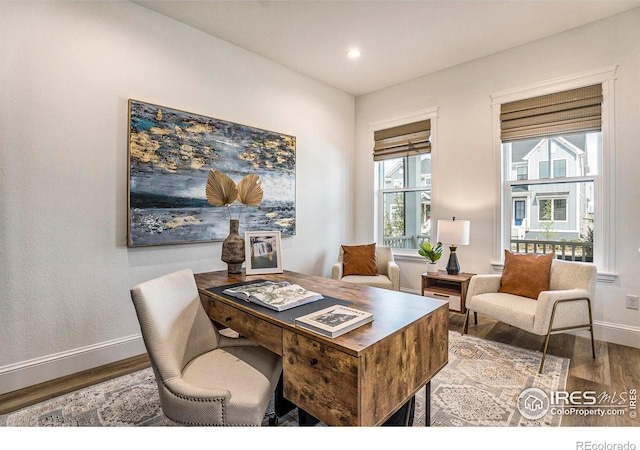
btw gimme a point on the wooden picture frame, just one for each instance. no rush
(263, 252)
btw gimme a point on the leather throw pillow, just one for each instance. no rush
(359, 260)
(526, 274)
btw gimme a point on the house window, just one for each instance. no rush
(552, 210)
(543, 169)
(559, 168)
(519, 211)
(522, 172)
(402, 156)
(568, 187)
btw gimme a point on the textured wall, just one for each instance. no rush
(466, 182)
(67, 71)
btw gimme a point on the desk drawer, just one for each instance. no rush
(455, 303)
(320, 379)
(251, 327)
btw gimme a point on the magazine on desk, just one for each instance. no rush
(278, 296)
(335, 320)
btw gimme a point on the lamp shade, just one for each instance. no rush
(453, 232)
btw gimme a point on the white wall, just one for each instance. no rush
(466, 183)
(66, 72)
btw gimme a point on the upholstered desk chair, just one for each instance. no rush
(367, 264)
(203, 378)
(565, 305)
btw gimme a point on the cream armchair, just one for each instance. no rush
(388, 272)
(565, 306)
(203, 378)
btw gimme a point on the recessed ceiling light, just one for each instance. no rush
(353, 53)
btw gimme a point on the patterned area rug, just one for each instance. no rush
(479, 387)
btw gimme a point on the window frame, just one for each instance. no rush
(378, 201)
(604, 226)
(553, 199)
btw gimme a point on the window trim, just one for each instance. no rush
(604, 238)
(378, 212)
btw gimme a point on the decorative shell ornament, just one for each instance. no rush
(222, 190)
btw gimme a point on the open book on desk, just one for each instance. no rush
(277, 296)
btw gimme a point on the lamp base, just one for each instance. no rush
(453, 267)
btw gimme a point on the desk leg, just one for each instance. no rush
(281, 405)
(305, 419)
(404, 416)
(427, 405)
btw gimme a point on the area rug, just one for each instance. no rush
(478, 387)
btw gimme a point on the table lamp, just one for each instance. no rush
(453, 232)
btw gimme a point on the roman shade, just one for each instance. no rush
(568, 112)
(404, 140)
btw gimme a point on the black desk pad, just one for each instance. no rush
(288, 315)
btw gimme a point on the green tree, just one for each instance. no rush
(394, 220)
(547, 219)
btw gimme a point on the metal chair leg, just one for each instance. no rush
(544, 352)
(551, 329)
(593, 342)
(465, 324)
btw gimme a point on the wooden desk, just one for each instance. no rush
(360, 378)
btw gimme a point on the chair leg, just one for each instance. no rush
(544, 352)
(465, 324)
(593, 342)
(553, 314)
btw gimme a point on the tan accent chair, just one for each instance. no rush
(388, 276)
(203, 378)
(565, 306)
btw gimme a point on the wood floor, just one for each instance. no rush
(13, 401)
(616, 369)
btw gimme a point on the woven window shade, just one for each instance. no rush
(568, 112)
(404, 140)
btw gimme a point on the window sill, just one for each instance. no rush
(407, 255)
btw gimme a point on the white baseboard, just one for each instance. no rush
(39, 370)
(602, 331)
(616, 333)
(28, 373)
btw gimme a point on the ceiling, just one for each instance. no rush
(399, 40)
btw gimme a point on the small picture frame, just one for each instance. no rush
(263, 253)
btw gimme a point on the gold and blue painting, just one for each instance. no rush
(170, 155)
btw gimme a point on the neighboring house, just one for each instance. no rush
(409, 214)
(554, 211)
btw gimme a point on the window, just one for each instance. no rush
(402, 156)
(560, 135)
(522, 172)
(519, 208)
(552, 210)
(559, 168)
(543, 169)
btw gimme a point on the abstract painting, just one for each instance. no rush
(170, 155)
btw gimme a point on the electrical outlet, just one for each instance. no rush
(632, 302)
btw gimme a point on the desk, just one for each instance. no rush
(360, 378)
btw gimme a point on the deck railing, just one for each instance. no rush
(568, 251)
(405, 241)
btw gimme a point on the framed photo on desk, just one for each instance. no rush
(263, 252)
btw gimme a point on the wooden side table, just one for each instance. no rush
(452, 288)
